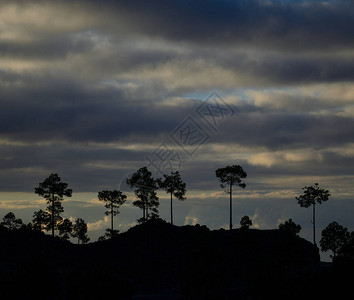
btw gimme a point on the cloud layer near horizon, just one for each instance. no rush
(90, 90)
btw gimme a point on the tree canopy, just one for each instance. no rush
(80, 231)
(312, 195)
(245, 222)
(334, 237)
(10, 222)
(173, 185)
(65, 228)
(53, 190)
(291, 227)
(231, 175)
(145, 187)
(113, 200)
(41, 220)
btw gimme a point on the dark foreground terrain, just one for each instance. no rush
(161, 261)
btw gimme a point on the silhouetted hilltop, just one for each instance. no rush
(161, 261)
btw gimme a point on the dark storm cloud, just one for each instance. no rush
(64, 109)
(216, 34)
(283, 130)
(291, 25)
(45, 48)
(294, 70)
(288, 25)
(50, 155)
(102, 166)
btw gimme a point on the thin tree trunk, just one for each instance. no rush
(143, 212)
(52, 213)
(314, 223)
(171, 210)
(146, 217)
(111, 220)
(230, 205)
(146, 210)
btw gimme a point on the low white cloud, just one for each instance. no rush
(225, 226)
(342, 92)
(264, 159)
(259, 222)
(269, 159)
(20, 204)
(104, 223)
(346, 112)
(124, 227)
(190, 220)
(316, 99)
(16, 200)
(201, 195)
(99, 225)
(18, 20)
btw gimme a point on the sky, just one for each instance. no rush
(94, 90)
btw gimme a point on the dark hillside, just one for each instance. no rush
(159, 260)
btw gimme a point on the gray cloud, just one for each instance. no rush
(62, 109)
(293, 26)
(45, 48)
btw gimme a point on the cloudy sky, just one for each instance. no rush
(95, 90)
